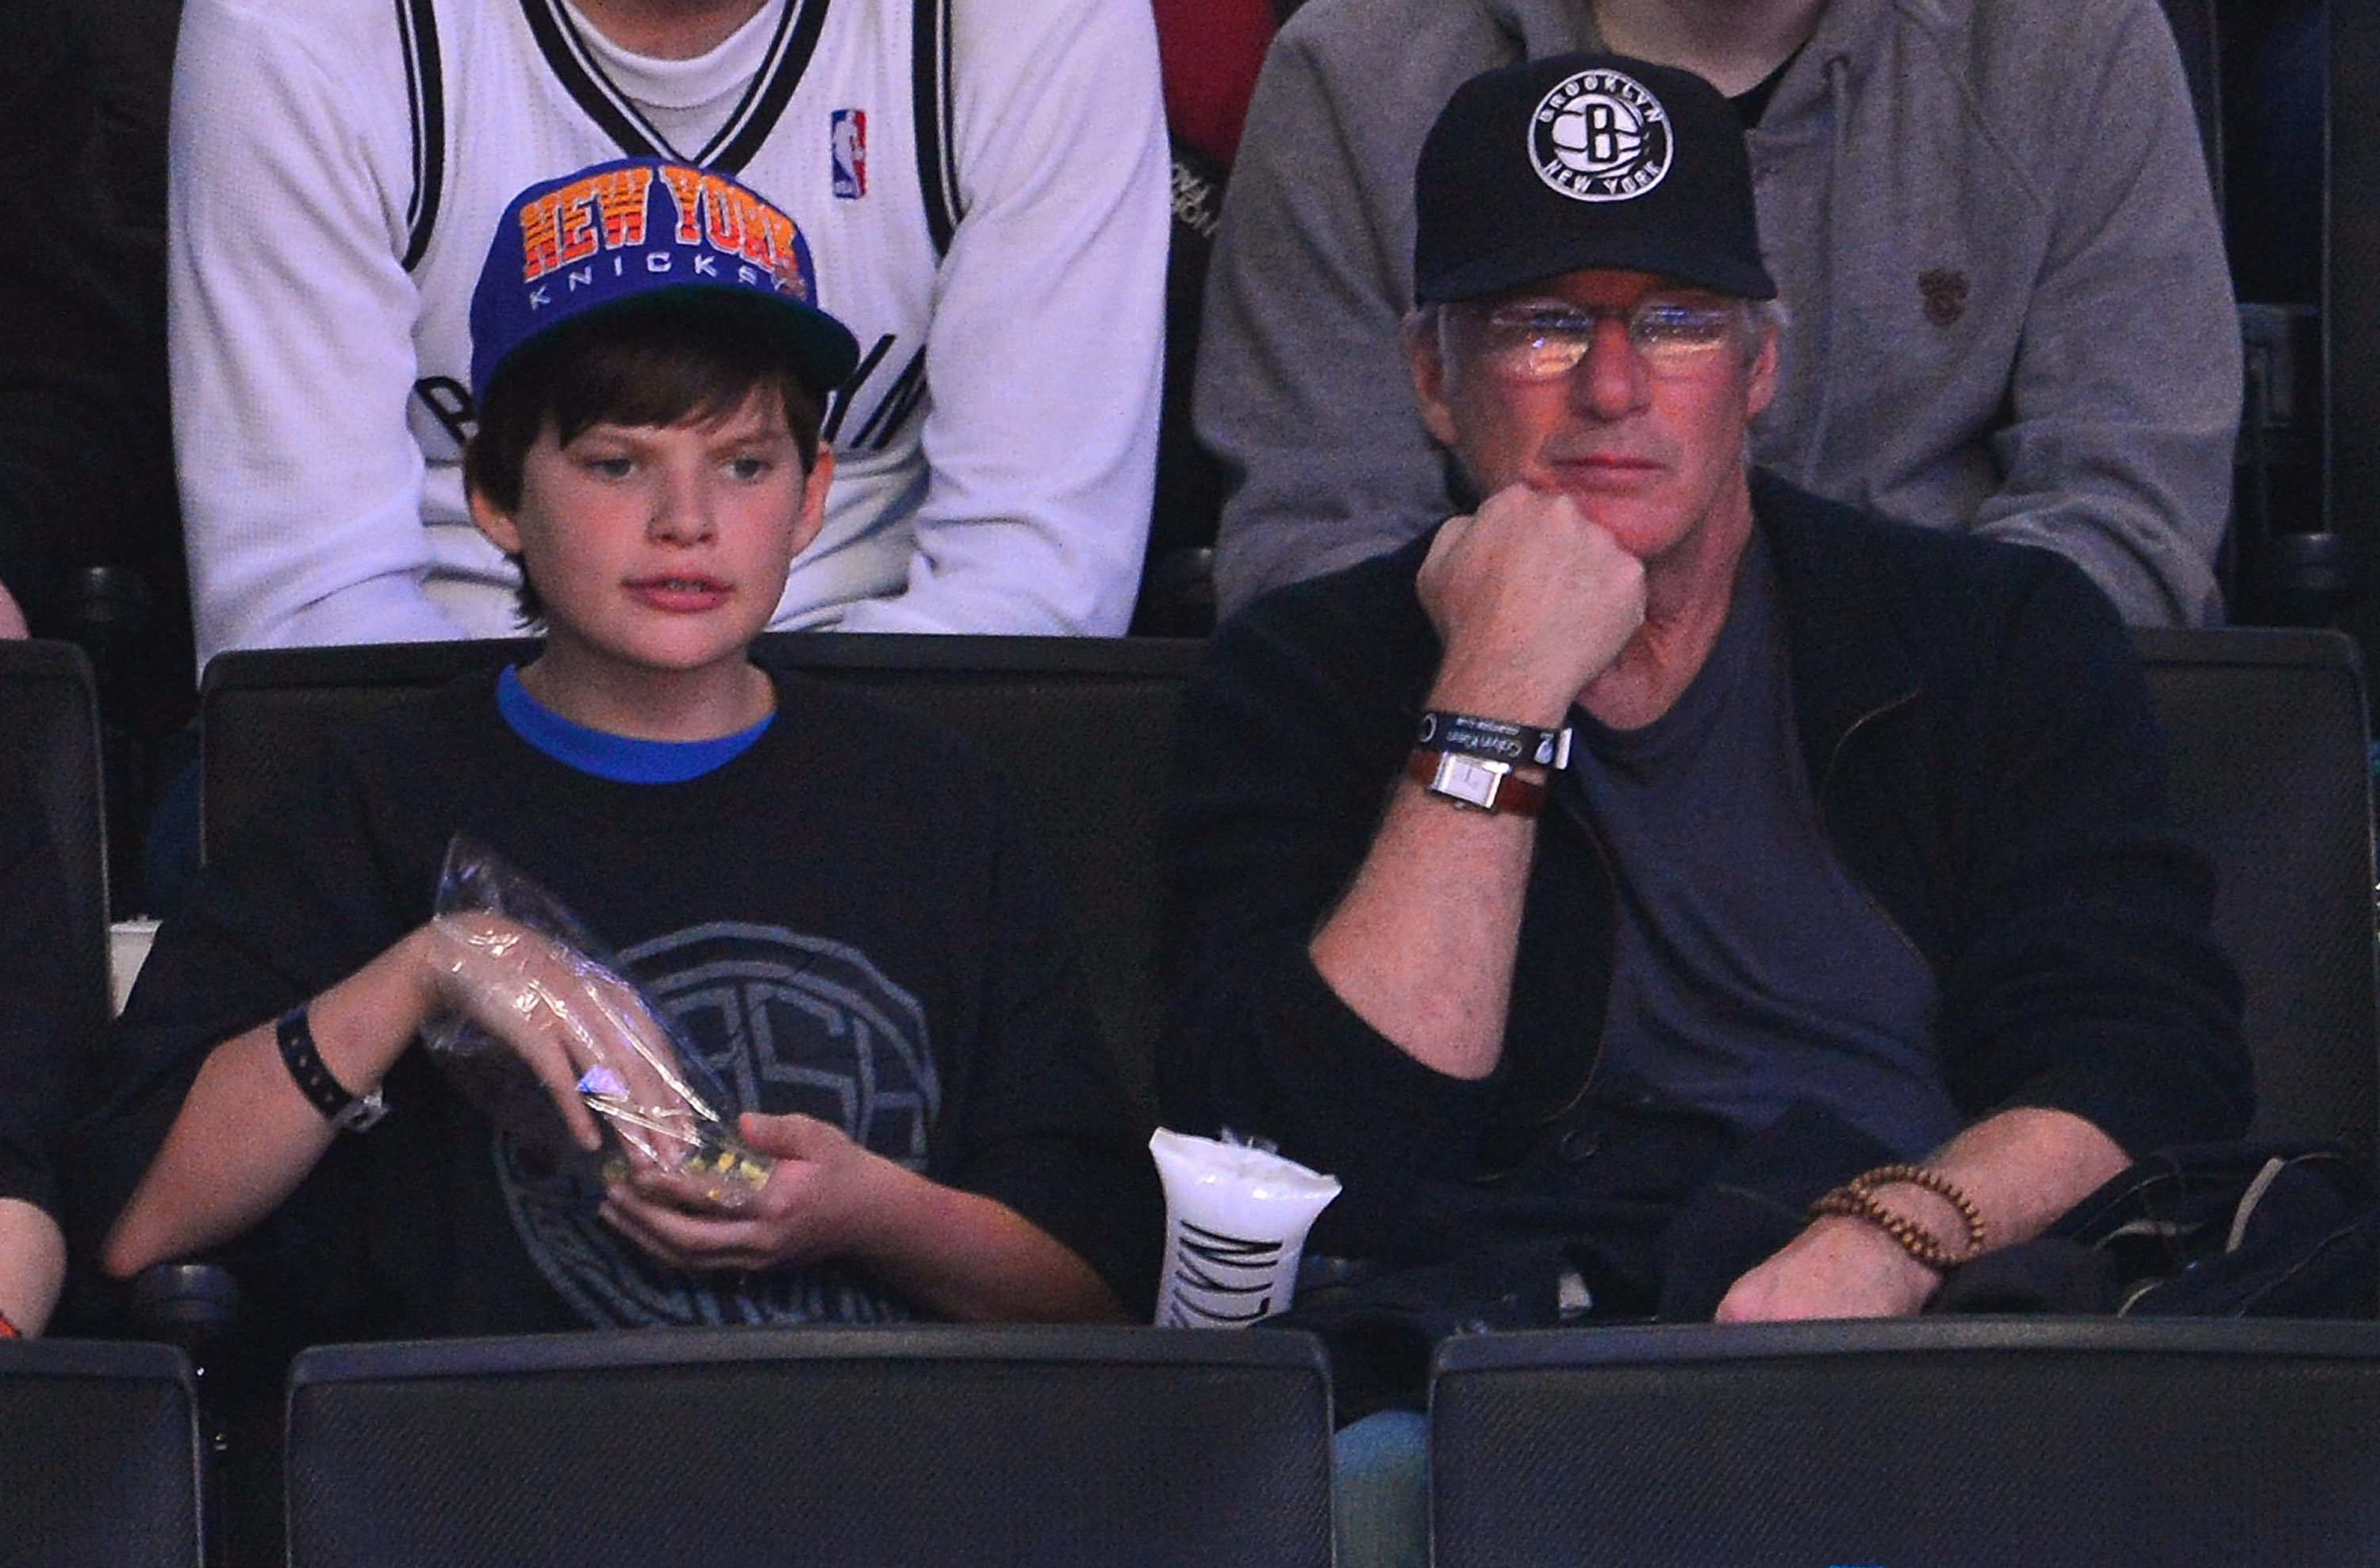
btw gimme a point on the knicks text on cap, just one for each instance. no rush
(607, 211)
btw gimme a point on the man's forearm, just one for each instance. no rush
(1423, 946)
(2021, 1169)
(1532, 601)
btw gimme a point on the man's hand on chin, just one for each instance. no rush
(1532, 601)
(1839, 1267)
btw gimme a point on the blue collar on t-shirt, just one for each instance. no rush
(620, 758)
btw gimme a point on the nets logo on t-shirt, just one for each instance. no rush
(1600, 136)
(787, 1023)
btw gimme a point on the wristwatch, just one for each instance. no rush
(1474, 783)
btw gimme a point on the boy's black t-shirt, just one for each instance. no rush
(847, 919)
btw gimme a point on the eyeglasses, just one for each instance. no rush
(1544, 342)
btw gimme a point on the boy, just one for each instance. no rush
(834, 905)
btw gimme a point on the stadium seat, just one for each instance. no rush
(99, 1456)
(1954, 1443)
(2268, 766)
(1139, 1447)
(1083, 726)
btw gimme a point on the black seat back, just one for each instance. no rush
(1143, 1447)
(2268, 766)
(266, 715)
(1972, 1442)
(99, 1456)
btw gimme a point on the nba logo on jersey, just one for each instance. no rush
(847, 139)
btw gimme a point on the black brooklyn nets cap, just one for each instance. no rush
(1581, 160)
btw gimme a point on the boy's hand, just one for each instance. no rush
(816, 1207)
(565, 1017)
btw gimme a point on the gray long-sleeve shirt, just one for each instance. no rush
(1991, 222)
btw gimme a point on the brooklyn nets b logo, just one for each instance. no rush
(1600, 137)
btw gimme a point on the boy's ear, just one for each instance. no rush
(493, 520)
(814, 489)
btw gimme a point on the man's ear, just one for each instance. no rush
(814, 487)
(1427, 363)
(1760, 386)
(491, 519)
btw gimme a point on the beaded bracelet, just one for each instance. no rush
(1856, 1200)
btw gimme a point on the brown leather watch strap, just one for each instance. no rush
(1502, 791)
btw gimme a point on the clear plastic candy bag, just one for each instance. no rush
(517, 950)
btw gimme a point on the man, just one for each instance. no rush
(984, 185)
(1661, 890)
(2012, 313)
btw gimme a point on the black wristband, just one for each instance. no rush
(312, 1076)
(1495, 739)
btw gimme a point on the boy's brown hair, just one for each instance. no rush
(672, 364)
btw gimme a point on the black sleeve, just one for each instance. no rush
(1039, 1116)
(1293, 734)
(2085, 975)
(41, 1047)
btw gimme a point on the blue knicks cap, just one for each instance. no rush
(647, 230)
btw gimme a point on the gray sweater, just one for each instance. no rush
(1990, 220)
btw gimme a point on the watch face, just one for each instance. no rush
(1467, 780)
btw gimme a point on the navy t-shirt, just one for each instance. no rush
(1750, 971)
